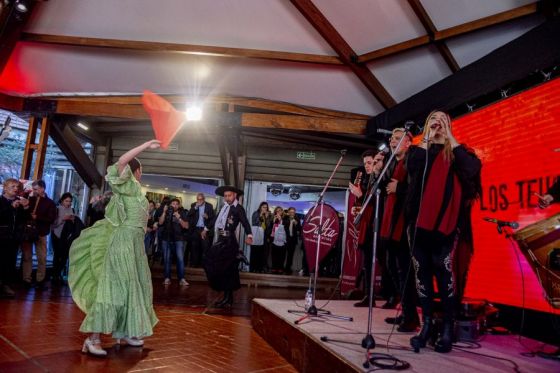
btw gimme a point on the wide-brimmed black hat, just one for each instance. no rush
(228, 188)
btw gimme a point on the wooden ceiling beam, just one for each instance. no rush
(255, 103)
(482, 23)
(151, 46)
(450, 32)
(233, 119)
(296, 122)
(429, 26)
(344, 51)
(11, 103)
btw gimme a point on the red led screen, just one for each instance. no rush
(518, 140)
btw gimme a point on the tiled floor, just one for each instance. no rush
(39, 333)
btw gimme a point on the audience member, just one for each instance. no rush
(43, 214)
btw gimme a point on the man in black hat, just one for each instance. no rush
(222, 261)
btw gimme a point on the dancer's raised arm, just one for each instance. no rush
(129, 155)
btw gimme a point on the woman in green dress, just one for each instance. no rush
(109, 274)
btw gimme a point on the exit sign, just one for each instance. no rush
(305, 155)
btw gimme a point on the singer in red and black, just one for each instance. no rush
(444, 181)
(373, 164)
(393, 232)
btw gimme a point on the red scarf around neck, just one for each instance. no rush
(388, 230)
(432, 204)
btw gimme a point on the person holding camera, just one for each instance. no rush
(43, 214)
(13, 213)
(173, 220)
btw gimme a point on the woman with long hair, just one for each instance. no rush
(261, 218)
(444, 181)
(61, 245)
(278, 239)
(109, 274)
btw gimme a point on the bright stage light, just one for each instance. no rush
(194, 113)
(21, 6)
(82, 126)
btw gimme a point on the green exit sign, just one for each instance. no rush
(305, 155)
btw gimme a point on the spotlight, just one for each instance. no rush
(294, 193)
(194, 113)
(276, 189)
(82, 126)
(21, 6)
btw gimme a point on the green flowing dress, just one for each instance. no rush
(108, 273)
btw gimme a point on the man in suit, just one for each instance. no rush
(201, 218)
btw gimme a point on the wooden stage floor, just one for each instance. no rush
(39, 333)
(304, 347)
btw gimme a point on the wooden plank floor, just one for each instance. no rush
(39, 333)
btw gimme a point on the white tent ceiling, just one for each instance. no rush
(271, 25)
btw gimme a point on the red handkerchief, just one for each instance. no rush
(166, 120)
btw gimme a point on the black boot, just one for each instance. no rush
(220, 303)
(227, 301)
(444, 342)
(419, 340)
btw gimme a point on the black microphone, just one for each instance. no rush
(408, 125)
(503, 223)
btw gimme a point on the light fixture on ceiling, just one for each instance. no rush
(276, 189)
(147, 185)
(294, 193)
(21, 6)
(193, 113)
(82, 126)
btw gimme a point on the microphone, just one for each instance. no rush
(384, 131)
(503, 223)
(408, 125)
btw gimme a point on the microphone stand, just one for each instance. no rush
(312, 311)
(368, 342)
